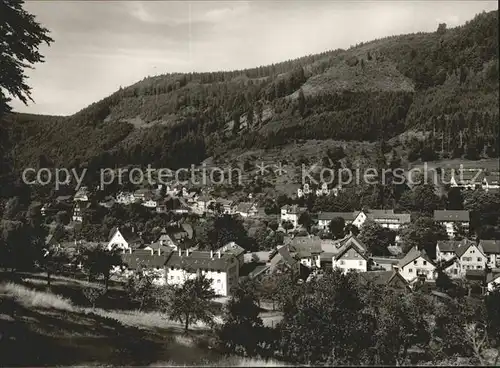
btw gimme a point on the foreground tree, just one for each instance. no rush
(20, 38)
(243, 331)
(328, 324)
(337, 227)
(376, 237)
(192, 302)
(142, 289)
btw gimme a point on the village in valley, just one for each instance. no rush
(306, 183)
(305, 243)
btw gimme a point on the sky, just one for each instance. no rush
(102, 45)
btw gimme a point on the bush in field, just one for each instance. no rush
(142, 290)
(92, 294)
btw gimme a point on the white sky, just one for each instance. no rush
(102, 45)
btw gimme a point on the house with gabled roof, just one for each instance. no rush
(124, 239)
(450, 219)
(416, 263)
(233, 249)
(491, 248)
(307, 250)
(351, 257)
(471, 256)
(246, 209)
(282, 261)
(391, 279)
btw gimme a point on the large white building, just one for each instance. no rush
(221, 268)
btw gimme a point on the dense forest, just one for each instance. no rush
(444, 83)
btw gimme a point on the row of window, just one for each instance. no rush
(178, 279)
(470, 259)
(202, 271)
(342, 263)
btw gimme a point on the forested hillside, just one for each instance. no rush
(444, 83)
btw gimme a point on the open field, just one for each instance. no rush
(41, 328)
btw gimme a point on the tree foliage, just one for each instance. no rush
(20, 37)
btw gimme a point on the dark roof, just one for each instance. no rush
(128, 235)
(385, 260)
(199, 260)
(448, 245)
(382, 277)
(306, 245)
(402, 218)
(144, 258)
(412, 255)
(492, 276)
(451, 215)
(490, 246)
(354, 246)
(465, 244)
(475, 275)
(63, 198)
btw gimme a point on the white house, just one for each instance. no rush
(416, 263)
(150, 203)
(246, 209)
(125, 198)
(291, 213)
(350, 258)
(123, 239)
(82, 195)
(471, 256)
(450, 219)
(491, 248)
(201, 204)
(221, 269)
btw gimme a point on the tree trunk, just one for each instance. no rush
(186, 323)
(48, 279)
